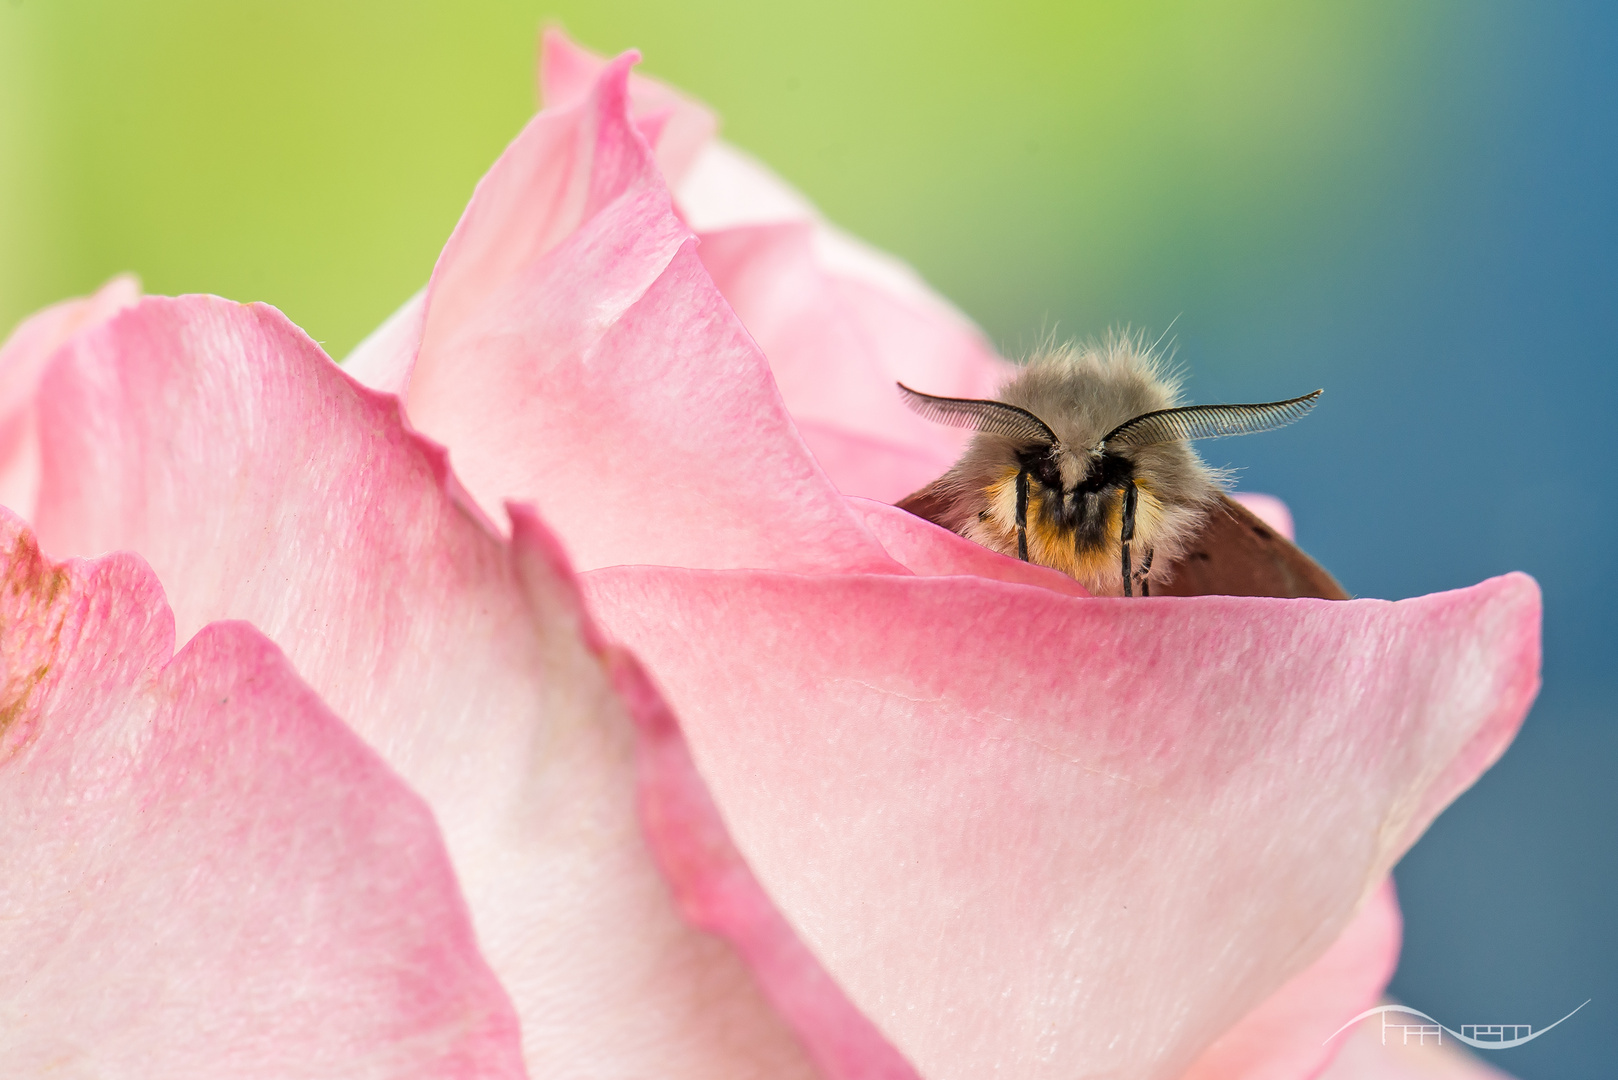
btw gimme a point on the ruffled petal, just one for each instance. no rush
(678, 127)
(262, 483)
(839, 320)
(202, 871)
(577, 355)
(718, 892)
(1033, 818)
(841, 324)
(22, 360)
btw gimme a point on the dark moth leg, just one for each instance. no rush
(1128, 533)
(1145, 574)
(1022, 515)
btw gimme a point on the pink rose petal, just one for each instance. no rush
(924, 548)
(1287, 1036)
(202, 871)
(841, 324)
(717, 892)
(873, 467)
(728, 188)
(383, 360)
(1033, 818)
(839, 321)
(682, 127)
(22, 359)
(263, 483)
(577, 355)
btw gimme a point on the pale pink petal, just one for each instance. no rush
(1033, 818)
(718, 186)
(727, 188)
(383, 360)
(22, 359)
(203, 873)
(263, 483)
(873, 467)
(676, 126)
(841, 325)
(712, 884)
(1288, 1037)
(924, 548)
(839, 321)
(563, 168)
(1268, 509)
(578, 356)
(1364, 1056)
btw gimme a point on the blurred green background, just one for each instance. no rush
(1410, 203)
(1037, 161)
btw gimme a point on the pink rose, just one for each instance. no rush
(941, 814)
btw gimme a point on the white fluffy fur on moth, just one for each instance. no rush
(1083, 463)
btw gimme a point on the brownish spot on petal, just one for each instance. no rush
(30, 631)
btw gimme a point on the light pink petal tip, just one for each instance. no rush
(263, 483)
(23, 358)
(576, 355)
(1034, 817)
(675, 125)
(839, 320)
(203, 872)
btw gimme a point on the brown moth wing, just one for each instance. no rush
(930, 503)
(1236, 554)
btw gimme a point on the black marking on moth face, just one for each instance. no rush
(1081, 509)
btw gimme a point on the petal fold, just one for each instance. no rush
(263, 483)
(576, 355)
(23, 359)
(203, 872)
(677, 126)
(841, 324)
(924, 548)
(1034, 817)
(839, 320)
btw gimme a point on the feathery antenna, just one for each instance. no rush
(994, 417)
(1209, 421)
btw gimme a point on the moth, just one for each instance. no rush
(1084, 464)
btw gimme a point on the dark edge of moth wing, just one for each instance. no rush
(993, 417)
(932, 503)
(1237, 554)
(1209, 421)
